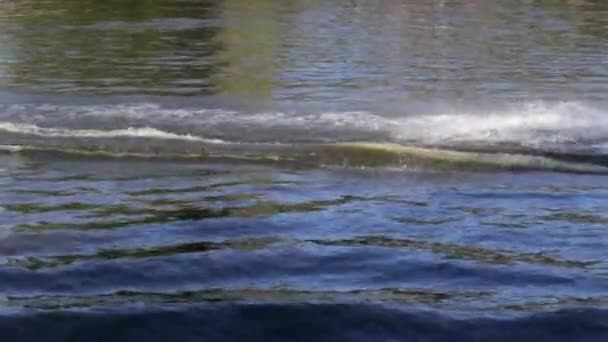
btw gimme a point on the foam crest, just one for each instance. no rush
(529, 124)
(145, 132)
(535, 124)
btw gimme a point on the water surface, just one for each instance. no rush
(304, 169)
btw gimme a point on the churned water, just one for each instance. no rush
(304, 170)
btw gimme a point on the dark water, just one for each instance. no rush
(304, 170)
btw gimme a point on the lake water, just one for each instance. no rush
(304, 170)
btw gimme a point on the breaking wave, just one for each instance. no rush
(565, 136)
(145, 132)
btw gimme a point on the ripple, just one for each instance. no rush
(576, 217)
(244, 295)
(421, 221)
(182, 213)
(36, 263)
(462, 252)
(452, 251)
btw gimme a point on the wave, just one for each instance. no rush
(532, 124)
(541, 125)
(566, 137)
(145, 132)
(357, 154)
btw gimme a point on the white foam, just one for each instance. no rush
(11, 148)
(534, 123)
(145, 132)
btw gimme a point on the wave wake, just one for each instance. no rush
(356, 154)
(567, 136)
(530, 124)
(145, 132)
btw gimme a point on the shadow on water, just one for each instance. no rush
(328, 322)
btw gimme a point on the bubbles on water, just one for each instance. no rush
(532, 124)
(538, 125)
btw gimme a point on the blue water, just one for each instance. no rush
(303, 170)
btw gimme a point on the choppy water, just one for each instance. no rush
(297, 170)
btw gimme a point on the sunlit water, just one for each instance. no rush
(300, 170)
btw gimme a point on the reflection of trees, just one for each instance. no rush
(245, 47)
(146, 46)
(250, 39)
(151, 46)
(590, 17)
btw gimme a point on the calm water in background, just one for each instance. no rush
(305, 169)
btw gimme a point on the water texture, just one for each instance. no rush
(304, 170)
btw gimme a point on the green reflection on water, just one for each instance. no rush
(143, 47)
(243, 48)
